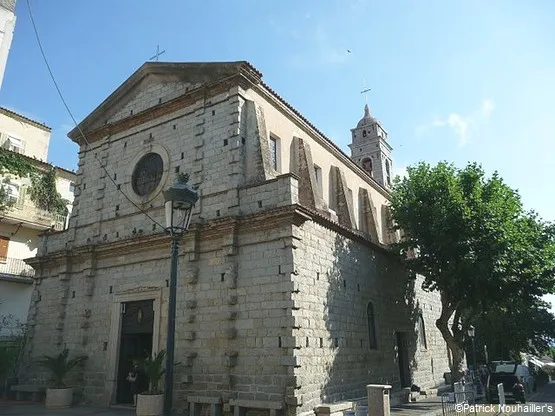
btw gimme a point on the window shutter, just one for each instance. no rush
(22, 193)
(4, 242)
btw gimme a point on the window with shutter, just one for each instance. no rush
(21, 200)
(4, 242)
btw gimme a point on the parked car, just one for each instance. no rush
(523, 373)
(512, 387)
(517, 382)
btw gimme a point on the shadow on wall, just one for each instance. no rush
(367, 344)
(33, 243)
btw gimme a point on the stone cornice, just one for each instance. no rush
(261, 221)
(325, 221)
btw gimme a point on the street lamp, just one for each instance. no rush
(179, 199)
(471, 333)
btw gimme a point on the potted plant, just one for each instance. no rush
(59, 395)
(151, 402)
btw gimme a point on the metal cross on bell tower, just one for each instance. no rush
(365, 92)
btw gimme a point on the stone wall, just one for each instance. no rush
(234, 304)
(337, 277)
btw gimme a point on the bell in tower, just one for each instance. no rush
(370, 149)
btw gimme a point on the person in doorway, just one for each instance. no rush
(133, 378)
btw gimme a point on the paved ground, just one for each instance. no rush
(425, 407)
(541, 404)
(430, 406)
(13, 408)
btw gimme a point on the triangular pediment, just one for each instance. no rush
(156, 83)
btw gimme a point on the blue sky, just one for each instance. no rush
(462, 81)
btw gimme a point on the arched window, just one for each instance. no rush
(363, 133)
(388, 172)
(372, 340)
(367, 165)
(422, 333)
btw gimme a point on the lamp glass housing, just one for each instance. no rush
(180, 199)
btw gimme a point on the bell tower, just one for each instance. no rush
(370, 149)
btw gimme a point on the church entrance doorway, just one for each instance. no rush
(137, 324)
(403, 358)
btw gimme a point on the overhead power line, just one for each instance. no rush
(82, 134)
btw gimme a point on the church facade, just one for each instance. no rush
(287, 297)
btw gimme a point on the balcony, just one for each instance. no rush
(26, 212)
(13, 267)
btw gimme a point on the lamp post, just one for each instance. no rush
(471, 334)
(179, 199)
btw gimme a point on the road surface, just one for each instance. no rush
(540, 404)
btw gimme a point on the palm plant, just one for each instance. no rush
(154, 370)
(60, 365)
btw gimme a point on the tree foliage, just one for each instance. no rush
(476, 244)
(523, 324)
(15, 164)
(43, 190)
(44, 194)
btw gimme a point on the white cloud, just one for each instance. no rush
(462, 125)
(487, 108)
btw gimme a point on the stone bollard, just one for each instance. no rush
(378, 399)
(458, 392)
(501, 393)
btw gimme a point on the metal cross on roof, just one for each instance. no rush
(158, 53)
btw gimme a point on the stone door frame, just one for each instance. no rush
(112, 362)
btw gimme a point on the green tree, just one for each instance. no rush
(475, 244)
(522, 324)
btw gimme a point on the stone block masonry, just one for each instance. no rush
(273, 287)
(337, 278)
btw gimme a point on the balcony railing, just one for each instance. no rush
(28, 212)
(15, 267)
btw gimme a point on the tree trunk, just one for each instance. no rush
(453, 340)
(458, 357)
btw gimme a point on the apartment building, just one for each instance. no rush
(7, 26)
(22, 222)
